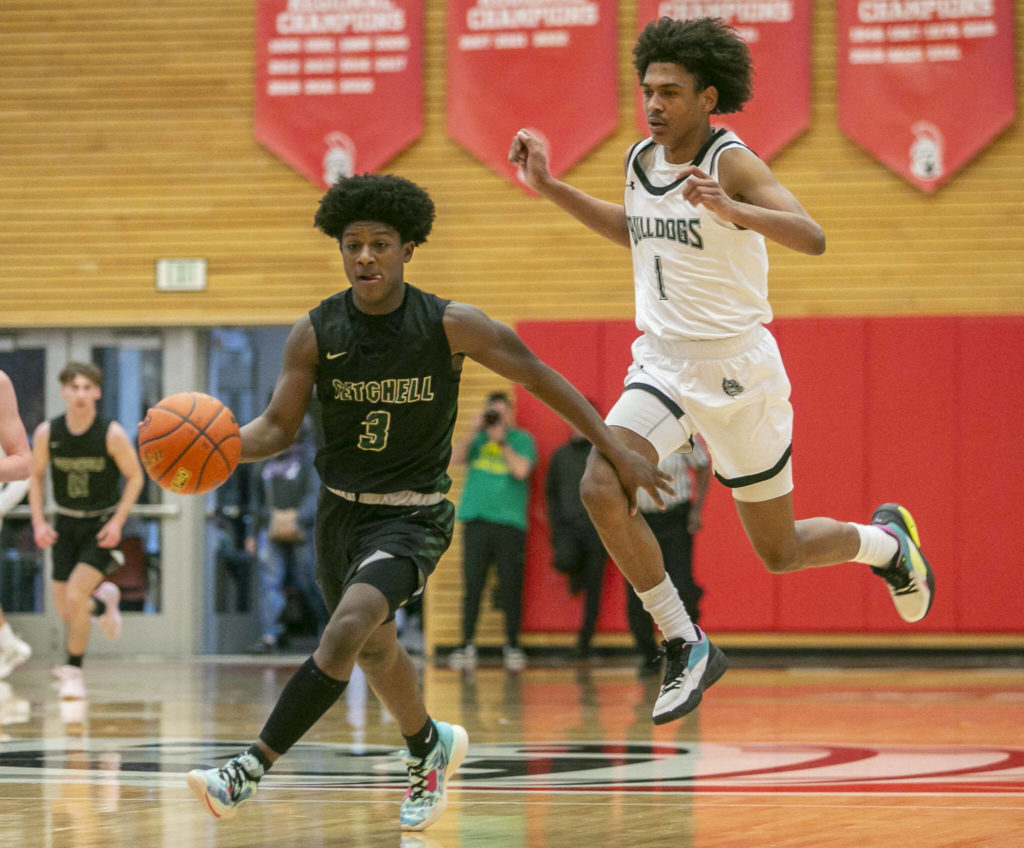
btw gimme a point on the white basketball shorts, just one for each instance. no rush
(734, 392)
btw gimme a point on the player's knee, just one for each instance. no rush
(778, 560)
(342, 637)
(75, 600)
(600, 491)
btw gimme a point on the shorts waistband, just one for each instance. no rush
(403, 498)
(84, 513)
(708, 348)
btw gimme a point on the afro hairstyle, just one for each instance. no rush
(385, 198)
(708, 48)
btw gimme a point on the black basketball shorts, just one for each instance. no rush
(76, 543)
(351, 536)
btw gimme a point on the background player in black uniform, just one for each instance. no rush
(87, 455)
(385, 359)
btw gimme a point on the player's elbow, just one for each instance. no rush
(816, 242)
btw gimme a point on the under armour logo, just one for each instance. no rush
(732, 387)
(631, 185)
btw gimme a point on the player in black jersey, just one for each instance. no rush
(385, 360)
(87, 455)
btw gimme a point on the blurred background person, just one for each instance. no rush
(578, 552)
(87, 456)
(499, 458)
(283, 545)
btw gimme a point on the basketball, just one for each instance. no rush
(189, 443)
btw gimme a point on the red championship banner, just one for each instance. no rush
(925, 84)
(545, 65)
(778, 33)
(339, 83)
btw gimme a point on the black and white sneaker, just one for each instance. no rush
(690, 668)
(909, 576)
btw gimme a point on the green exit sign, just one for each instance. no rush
(180, 275)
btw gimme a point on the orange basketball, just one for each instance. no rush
(189, 443)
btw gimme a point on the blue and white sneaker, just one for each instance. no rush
(690, 668)
(223, 790)
(909, 576)
(427, 795)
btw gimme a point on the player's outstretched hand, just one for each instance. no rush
(528, 155)
(635, 471)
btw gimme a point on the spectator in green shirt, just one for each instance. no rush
(499, 458)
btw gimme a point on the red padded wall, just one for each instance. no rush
(989, 431)
(577, 349)
(924, 411)
(911, 368)
(825, 362)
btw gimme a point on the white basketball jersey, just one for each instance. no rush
(696, 276)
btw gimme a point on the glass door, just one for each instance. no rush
(161, 541)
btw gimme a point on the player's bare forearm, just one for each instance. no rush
(790, 229)
(17, 464)
(275, 429)
(15, 467)
(123, 453)
(604, 218)
(748, 196)
(129, 495)
(496, 346)
(40, 464)
(550, 387)
(264, 437)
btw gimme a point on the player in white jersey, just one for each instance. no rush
(698, 206)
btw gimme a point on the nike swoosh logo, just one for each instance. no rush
(336, 355)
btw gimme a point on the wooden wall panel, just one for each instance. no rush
(126, 136)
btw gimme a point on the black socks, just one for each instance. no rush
(306, 697)
(259, 755)
(422, 742)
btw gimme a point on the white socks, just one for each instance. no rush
(6, 634)
(668, 612)
(876, 546)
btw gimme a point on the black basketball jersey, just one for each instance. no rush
(85, 477)
(389, 395)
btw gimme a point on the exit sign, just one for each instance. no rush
(180, 275)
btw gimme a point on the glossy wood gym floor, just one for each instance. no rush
(778, 756)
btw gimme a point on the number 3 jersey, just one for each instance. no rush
(389, 395)
(696, 276)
